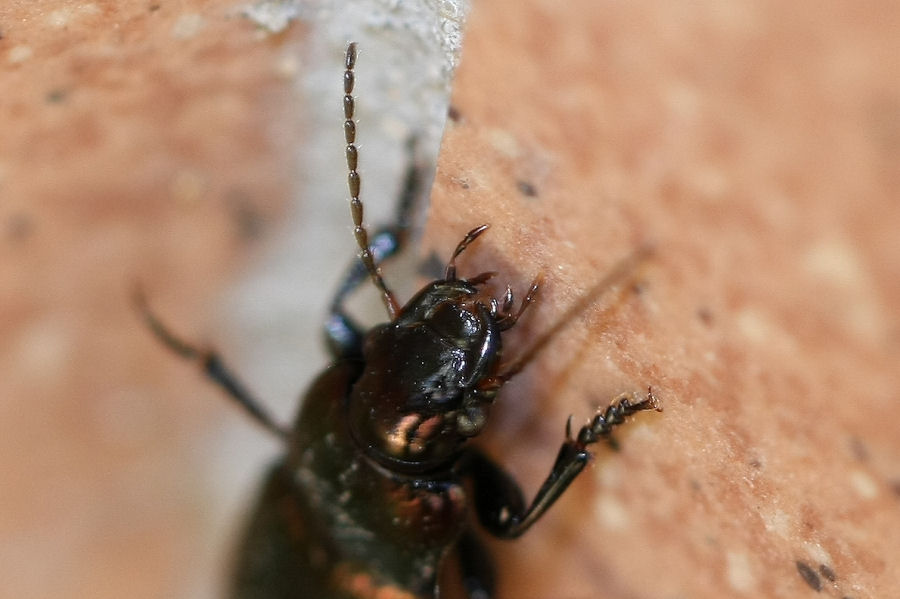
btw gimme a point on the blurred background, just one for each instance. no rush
(195, 148)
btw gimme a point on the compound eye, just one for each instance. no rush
(455, 323)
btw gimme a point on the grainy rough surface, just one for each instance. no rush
(756, 143)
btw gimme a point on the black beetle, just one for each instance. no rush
(377, 479)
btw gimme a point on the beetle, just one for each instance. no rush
(377, 478)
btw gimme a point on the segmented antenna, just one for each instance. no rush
(353, 182)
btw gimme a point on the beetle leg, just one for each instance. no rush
(496, 492)
(211, 364)
(342, 335)
(498, 499)
(476, 567)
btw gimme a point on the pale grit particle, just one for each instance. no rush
(863, 484)
(187, 26)
(778, 522)
(19, 54)
(612, 513)
(739, 572)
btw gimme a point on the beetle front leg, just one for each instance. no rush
(211, 364)
(498, 500)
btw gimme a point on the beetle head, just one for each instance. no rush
(431, 374)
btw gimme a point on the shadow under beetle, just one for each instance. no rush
(377, 479)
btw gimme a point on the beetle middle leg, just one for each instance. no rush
(212, 365)
(476, 567)
(498, 499)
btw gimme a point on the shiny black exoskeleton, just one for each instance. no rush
(371, 494)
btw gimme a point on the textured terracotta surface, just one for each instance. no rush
(756, 144)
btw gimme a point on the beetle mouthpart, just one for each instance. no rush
(482, 278)
(506, 319)
(508, 300)
(470, 420)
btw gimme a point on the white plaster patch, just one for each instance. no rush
(272, 16)
(429, 19)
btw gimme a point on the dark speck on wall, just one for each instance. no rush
(526, 188)
(895, 486)
(248, 220)
(705, 315)
(859, 449)
(809, 576)
(56, 96)
(827, 572)
(19, 227)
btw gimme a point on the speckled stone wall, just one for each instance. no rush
(756, 145)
